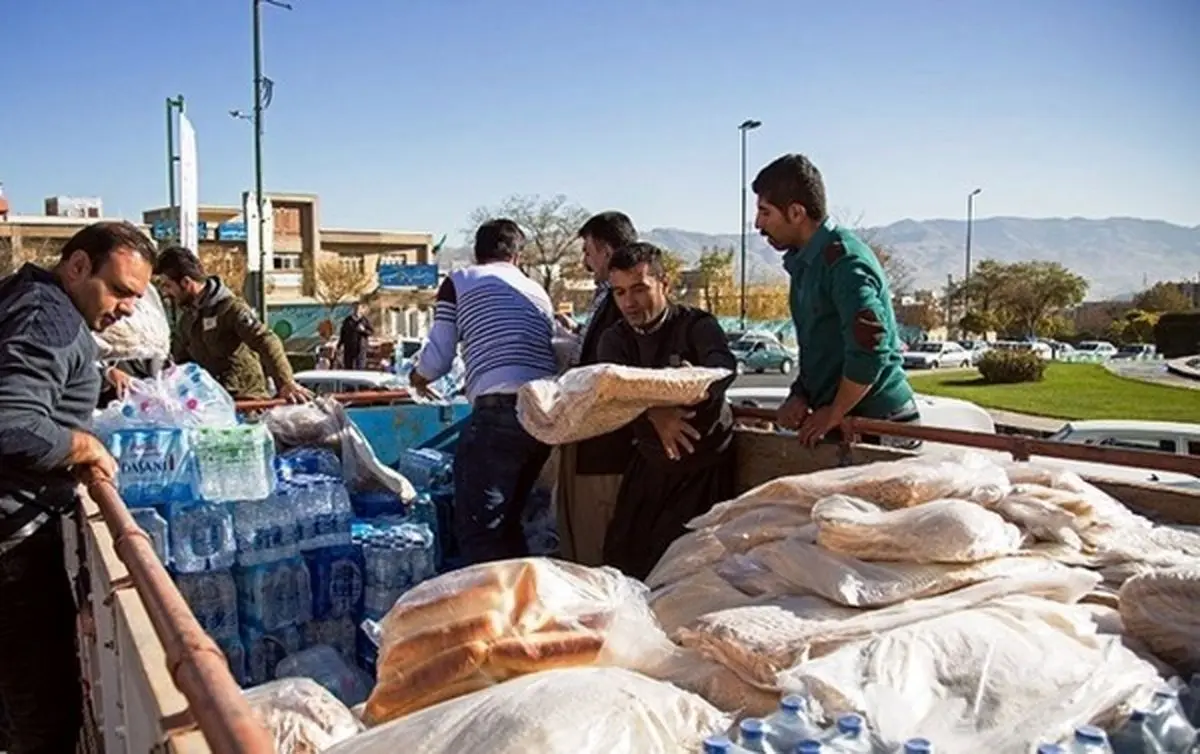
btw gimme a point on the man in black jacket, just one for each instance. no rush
(49, 382)
(590, 472)
(683, 455)
(354, 338)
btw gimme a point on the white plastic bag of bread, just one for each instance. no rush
(567, 711)
(301, 715)
(466, 630)
(594, 400)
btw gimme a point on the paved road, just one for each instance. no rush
(770, 379)
(1151, 371)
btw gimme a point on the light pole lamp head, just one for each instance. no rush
(976, 192)
(749, 125)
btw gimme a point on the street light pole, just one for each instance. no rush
(745, 127)
(970, 221)
(260, 285)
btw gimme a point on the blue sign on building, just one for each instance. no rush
(408, 275)
(231, 231)
(165, 229)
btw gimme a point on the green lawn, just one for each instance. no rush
(1069, 391)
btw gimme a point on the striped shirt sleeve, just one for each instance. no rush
(437, 356)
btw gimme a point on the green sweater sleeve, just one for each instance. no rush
(856, 288)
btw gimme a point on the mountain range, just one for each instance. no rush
(1119, 255)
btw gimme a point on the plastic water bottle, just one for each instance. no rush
(265, 649)
(791, 723)
(753, 735)
(809, 746)
(235, 463)
(212, 596)
(155, 525)
(424, 511)
(1167, 723)
(1089, 739)
(372, 503)
(918, 746)
(235, 655)
(154, 466)
(202, 536)
(308, 461)
(849, 736)
(717, 745)
(337, 581)
(266, 530)
(274, 595)
(1135, 736)
(427, 469)
(1189, 700)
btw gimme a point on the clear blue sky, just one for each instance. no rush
(408, 114)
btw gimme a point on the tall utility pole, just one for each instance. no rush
(746, 127)
(970, 221)
(262, 92)
(174, 104)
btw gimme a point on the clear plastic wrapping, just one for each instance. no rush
(301, 716)
(594, 400)
(469, 629)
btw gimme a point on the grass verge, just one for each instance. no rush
(1069, 391)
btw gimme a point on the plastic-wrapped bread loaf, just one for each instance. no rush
(467, 630)
(301, 716)
(941, 531)
(1162, 608)
(594, 400)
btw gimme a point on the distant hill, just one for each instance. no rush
(1117, 255)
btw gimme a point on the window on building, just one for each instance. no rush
(397, 258)
(290, 262)
(356, 264)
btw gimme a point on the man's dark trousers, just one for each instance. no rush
(39, 667)
(496, 465)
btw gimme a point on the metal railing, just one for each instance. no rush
(1021, 448)
(361, 398)
(197, 666)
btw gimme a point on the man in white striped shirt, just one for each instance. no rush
(505, 323)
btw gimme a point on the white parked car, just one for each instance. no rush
(947, 413)
(328, 381)
(1097, 348)
(1165, 437)
(937, 354)
(1043, 350)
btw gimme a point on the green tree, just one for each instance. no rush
(673, 265)
(716, 276)
(1036, 290)
(1135, 326)
(1163, 297)
(552, 229)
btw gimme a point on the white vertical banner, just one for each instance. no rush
(250, 213)
(189, 188)
(268, 239)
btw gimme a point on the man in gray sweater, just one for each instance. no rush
(49, 383)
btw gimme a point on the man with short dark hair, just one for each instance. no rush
(850, 362)
(589, 472)
(354, 338)
(220, 332)
(683, 462)
(49, 383)
(505, 323)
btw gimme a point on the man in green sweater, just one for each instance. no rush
(850, 362)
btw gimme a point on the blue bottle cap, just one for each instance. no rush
(1090, 734)
(850, 724)
(808, 746)
(1137, 716)
(717, 745)
(917, 746)
(1049, 749)
(793, 703)
(753, 728)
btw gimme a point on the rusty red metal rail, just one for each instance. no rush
(1021, 448)
(197, 665)
(362, 398)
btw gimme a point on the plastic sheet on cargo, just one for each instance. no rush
(594, 400)
(1162, 609)
(301, 716)
(566, 711)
